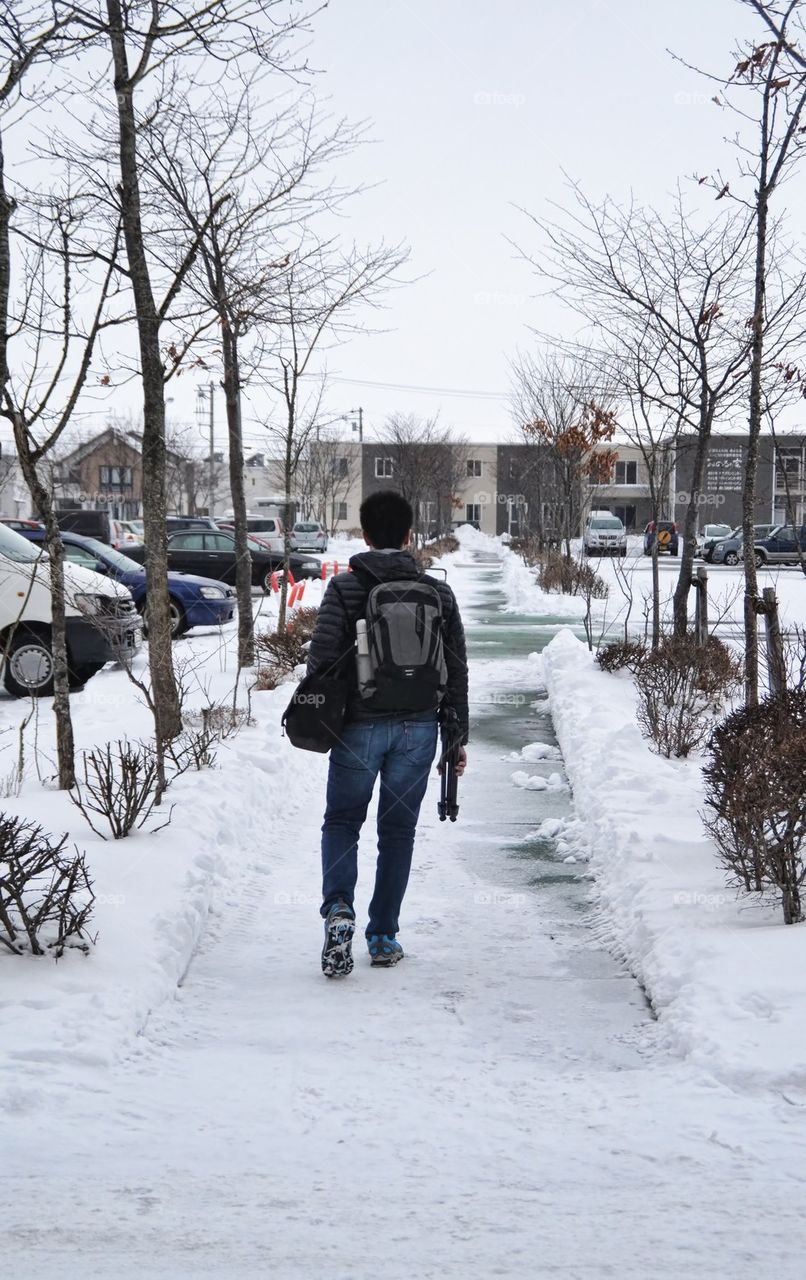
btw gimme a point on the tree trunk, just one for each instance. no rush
(288, 476)
(680, 608)
(751, 466)
(43, 502)
(165, 698)
(243, 560)
(6, 210)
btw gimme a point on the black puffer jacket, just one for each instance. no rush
(345, 601)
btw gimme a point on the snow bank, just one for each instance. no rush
(154, 890)
(725, 977)
(518, 580)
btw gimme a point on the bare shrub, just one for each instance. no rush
(120, 785)
(288, 649)
(556, 572)
(269, 677)
(443, 546)
(46, 895)
(621, 655)
(681, 687)
(756, 798)
(193, 749)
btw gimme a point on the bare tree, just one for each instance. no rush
(558, 401)
(773, 73)
(325, 479)
(428, 464)
(321, 288)
(241, 181)
(39, 399)
(685, 283)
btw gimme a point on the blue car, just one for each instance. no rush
(195, 602)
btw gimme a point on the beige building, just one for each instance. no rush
(477, 498)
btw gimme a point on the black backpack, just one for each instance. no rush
(402, 666)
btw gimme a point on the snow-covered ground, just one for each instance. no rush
(194, 1099)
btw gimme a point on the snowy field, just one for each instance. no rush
(567, 1076)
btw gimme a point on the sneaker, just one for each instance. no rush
(337, 957)
(383, 950)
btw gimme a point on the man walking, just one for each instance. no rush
(402, 647)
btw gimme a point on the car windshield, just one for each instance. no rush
(108, 554)
(256, 525)
(15, 547)
(306, 528)
(607, 524)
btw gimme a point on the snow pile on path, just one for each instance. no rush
(725, 976)
(518, 580)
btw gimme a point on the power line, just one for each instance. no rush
(439, 391)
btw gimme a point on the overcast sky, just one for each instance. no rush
(475, 109)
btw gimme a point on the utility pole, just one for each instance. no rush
(208, 393)
(360, 425)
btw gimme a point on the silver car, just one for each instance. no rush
(308, 535)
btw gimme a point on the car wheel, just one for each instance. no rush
(266, 583)
(80, 675)
(731, 558)
(760, 559)
(178, 621)
(623, 551)
(29, 665)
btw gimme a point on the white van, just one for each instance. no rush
(102, 621)
(604, 534)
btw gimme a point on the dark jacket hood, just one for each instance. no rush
(372, 567)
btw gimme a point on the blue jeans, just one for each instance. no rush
(402, 752)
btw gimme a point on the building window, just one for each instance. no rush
(339, 468)
(116, 477)
(342, 515)
(473, 512)
(474, 466)
(383, 468)
(626, 473)
(788, 469)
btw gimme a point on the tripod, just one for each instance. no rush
(448, 806)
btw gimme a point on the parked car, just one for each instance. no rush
(102, 621)
(729, 550)
(195, 602)
(785, 545)
(267, 529)
(212, 554)
(308, 535)
(14, 522)
(668, 539)
(604, 534)
(706, 541)
(175, 523)
(132, 531)
(92, 524)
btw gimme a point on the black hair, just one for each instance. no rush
(386, 518)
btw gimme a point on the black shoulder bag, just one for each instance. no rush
(314, 718)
